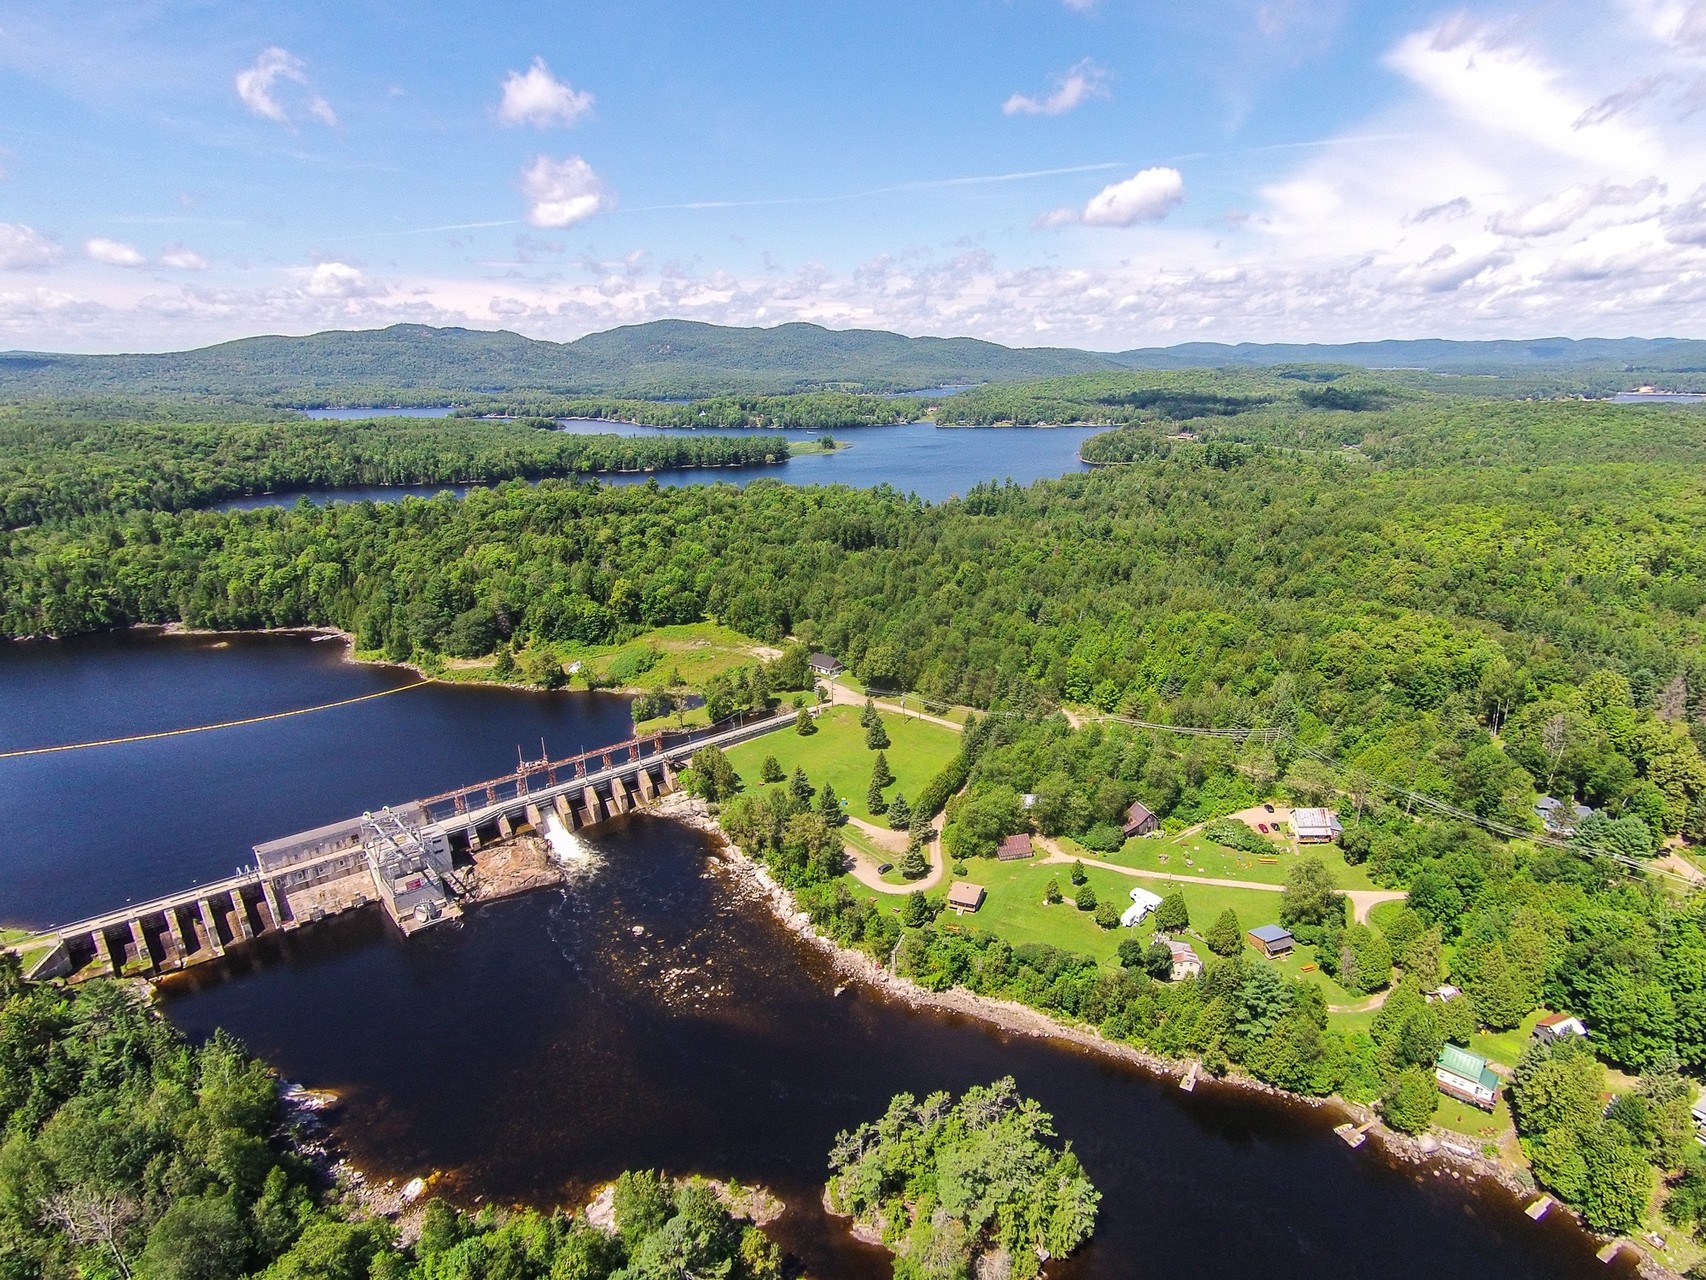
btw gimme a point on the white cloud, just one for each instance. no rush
(258, 87)
(538, 98)
(115, 253)
(1081, 83)
(1509, 88)
(340, 280)
(562, 192)
(24, 248)
(1562, 211)
(182, 258)
(1147, 196)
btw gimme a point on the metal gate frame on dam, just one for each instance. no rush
(402, 856)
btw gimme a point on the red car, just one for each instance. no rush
(1262, 827)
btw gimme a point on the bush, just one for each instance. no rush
(1104, 837)
(1051, 892)
(1108, 914)
(770, 771)
(1086, 898)
(1237, 835)
(1077, 875)
(804, 725)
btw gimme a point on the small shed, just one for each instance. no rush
(1559, 1026)
(965, 897)
(1271, 940)
(1186, 962)
(1316, 826)
(1466, 1076)
(1142, 903)
(1139, 821)
(824, 665)
(1015, 848)
(1442, 994)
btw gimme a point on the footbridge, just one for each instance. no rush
(406, 857)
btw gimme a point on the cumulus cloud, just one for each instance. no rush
(182, 258)
(258, 87)
(562, 192)
(1082, 82)
(538, 98)
(1147, 196)
(114, 253)
(340, 280)
(24, 248)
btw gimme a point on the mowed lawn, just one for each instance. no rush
(1194, 855)
(836, 754)
(1014, 909)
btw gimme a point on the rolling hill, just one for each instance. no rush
(418, 364)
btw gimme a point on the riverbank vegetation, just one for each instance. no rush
(956, 1187)
(128, 1152)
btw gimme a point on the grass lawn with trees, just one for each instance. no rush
(837, 754)
(1206, 858)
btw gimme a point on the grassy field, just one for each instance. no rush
(1015, 909)
(1194, 855)
(837, 754)
(688, 655)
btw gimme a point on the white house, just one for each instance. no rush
(1142, 903)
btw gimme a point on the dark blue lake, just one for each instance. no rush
(934, 462)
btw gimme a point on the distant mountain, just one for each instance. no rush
(661, 359)
(1437, 354)
(417, 364)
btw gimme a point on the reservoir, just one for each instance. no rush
(934, 462)
(652, 1012)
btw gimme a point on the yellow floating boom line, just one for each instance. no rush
(208, 728)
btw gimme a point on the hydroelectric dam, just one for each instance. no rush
(405, 857)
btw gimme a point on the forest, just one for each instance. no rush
(808, 410)
(59, 463)
(129, 1152)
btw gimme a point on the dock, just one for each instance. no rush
(404, 857)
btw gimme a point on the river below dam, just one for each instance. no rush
(650, 1013)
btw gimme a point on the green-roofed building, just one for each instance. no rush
(1466, 1075)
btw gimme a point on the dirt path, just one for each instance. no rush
(840, 695)
(1362, 1006)
(864, 868)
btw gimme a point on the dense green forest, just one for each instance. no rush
(57, 465)
(964, 1186)
(810, 410)
(127, 1152)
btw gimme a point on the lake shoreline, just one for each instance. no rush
(1019, 1019)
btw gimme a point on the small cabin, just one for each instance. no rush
(1015, 848)
(1467, 1077)
(1271, 940)
(965, 897)
(1139, 821)
(1316, 826)
(1559, 1026)
(1186, 962)
(824, 665)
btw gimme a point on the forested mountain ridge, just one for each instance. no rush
(419, 364)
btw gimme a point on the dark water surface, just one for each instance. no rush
(934, 462)
(651, 1013)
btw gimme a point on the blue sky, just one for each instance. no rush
(1083, 172)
